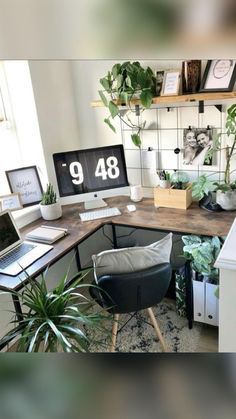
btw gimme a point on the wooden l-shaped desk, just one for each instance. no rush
(191, 221)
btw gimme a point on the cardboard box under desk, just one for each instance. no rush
(173, 198)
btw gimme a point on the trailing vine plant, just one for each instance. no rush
(123, 85)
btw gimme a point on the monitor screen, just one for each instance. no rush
(91, 170)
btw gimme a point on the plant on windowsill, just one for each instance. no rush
(49, 206)
(122, 84)
(55, 321)
(225, 191)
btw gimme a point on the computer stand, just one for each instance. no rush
(95, 203)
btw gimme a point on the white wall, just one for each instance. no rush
(63, 94)
(55, 103)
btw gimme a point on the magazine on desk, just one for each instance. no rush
(47, 234)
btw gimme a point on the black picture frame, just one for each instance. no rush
(26, 182)
(211, 83)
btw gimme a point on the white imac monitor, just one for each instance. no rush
(90, 175)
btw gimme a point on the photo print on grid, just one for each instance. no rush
(197, 143)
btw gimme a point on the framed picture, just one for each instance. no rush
(11, 202)
(198, 143)
(171, 83)
(26, 182)
(159, 81)
(219, 76)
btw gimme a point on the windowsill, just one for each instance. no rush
(26, 215)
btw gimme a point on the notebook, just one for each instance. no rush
(46, 234)
(16, 254)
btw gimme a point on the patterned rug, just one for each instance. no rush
(138, 336)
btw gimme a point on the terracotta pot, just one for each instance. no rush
(51, 212)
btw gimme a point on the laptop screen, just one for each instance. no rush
(8, 233)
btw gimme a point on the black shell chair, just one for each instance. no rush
(132, 292)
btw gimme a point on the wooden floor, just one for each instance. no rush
(209, 339)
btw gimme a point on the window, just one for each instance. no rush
(20, 141)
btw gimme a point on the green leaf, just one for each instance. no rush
(136, 140)
(107, 121)
(146, 98)
(119, 82)
(124, 97)
(106, 84)
(113, 108)
(128, 82)
(116, 70)
(103, 97)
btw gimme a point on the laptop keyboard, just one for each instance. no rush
(15, 254)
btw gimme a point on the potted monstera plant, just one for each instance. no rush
(123, 85)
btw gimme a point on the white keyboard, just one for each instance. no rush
(101, 213)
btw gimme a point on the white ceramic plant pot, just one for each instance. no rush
(227, 200)
(51, 212)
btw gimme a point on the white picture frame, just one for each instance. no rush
(10, 202)
(171, 83)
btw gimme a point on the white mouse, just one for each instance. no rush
(131, 208)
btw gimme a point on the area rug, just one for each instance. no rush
(138, 336)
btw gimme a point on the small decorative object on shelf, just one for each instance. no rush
(159, 81)
(49, 206)
(191, 76)
(171, 83)
(219, 76)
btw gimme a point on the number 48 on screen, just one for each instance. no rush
(105, 169)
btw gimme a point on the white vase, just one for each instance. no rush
(51, 212)
(227, 200)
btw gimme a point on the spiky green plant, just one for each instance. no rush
(49, 196)
(53, 321)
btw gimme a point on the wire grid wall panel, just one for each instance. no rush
(164, 132)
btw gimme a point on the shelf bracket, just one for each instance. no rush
(219, 107)
(137, 110)
(201, 106)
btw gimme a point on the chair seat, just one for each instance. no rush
(130, 292)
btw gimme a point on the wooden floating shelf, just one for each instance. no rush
(180, 98)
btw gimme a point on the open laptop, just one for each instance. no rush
(16, 254)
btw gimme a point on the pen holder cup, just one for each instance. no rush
(164, 184)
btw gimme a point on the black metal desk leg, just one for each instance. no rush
(114, 236)
(77, 257)
(189, 295)
(17, 306)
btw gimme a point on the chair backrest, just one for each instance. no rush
(136, 290)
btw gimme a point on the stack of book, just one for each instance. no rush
(46, 234)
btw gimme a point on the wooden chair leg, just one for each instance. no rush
(157, 330)
(114, 332)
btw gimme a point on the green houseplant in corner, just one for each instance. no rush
(226, 190)
(49, 206)
(123, 84)
(53, 321)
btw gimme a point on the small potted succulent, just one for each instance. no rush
(49, 206)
